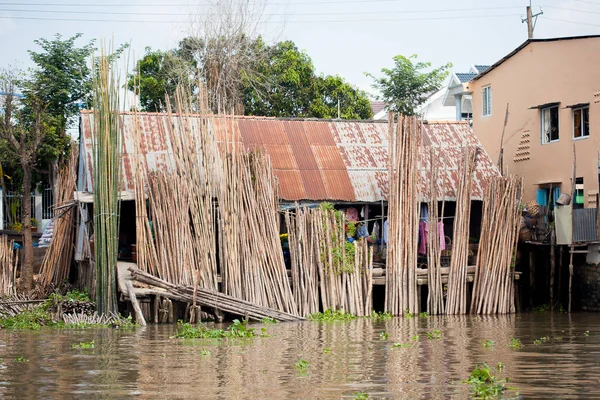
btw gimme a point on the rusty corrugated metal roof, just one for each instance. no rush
(312, 159)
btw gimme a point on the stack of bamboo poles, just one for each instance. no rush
(59, 255)
(8, 267)
(327, 267)
(493, 288)
(106, 148)
(403, 216)
(435, 294)
(456, 302)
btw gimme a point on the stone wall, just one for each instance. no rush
(586, 287)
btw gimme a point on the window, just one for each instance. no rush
(487, 101)
(549, 124)
(581, 122)
(579, 194)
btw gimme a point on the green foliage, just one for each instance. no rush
(378, 315)
(541, 308)
(515, 344)
(350, 229)
(326, 350)
(332, 315)
(434, 335)
(484, 385)
(236, 330)
(30, 320)
(21, 359)
(407, 85)
(541, 340)
(204, 352)
(489, 344)
(415, 338)
(586, 333)
(360, 396)
(268, 320)
(424, 314)
(84, 345)
(402, 345)
(384, 336)
(302, 364)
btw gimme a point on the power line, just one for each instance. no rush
(449, 10)
(572, 9)
(571, 22)
(316, 3)
(587, 2)
(287, 22)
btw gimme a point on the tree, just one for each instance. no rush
(332, 91)
(408, 85)
(23, 128)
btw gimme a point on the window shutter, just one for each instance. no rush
(541, 197)
(556, 194)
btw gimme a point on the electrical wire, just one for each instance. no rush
(267, 22)
(573, 9)
(571, 22)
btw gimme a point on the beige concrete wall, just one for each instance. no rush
(566, 71)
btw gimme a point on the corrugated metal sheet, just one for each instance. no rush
(313, 160)
(584, 225)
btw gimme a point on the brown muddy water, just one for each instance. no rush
(148, 363)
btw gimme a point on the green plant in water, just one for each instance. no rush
(415, 338)
(84, 345)
(378, 315)
(332, 315)
(500, 366)
(204, 352)
(31, 320)
(515, 343)
(434, 335)
(384, 336)
(302, 364)
(236, 330)
(586, 333)
(21, 359)
(541, 340)
(326, 350)
(360, 396)
(268, 320)
(408, 314)
(424, 314)
(263, 332)
(489, 344)
(484, 385)
(402, 345)
(541, 308)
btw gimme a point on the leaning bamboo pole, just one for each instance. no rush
(8, 267)
(457, 275)
(435, 290)
(59, 255)
(403, 215)
(106, 148)
(493, 287)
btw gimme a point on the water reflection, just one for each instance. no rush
(148, 363)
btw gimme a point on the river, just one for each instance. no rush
(343, 358)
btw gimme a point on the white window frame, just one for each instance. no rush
(542, 135)
(586, 107)
(486, 101)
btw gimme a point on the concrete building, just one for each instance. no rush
(552, 89)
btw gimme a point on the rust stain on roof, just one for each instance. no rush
(312, 159)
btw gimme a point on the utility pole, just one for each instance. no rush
(531, 20)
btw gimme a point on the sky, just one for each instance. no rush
(346, 38)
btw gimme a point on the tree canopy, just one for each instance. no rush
(408, 85)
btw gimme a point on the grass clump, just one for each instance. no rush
(236, 330)
(84, 345)
(332, 315)
(484, 385)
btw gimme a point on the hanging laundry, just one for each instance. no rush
(423, 232)
(442, 235)
(375, 231)
(351, 214)
(385, 231)
(362, 230)
(424, 212)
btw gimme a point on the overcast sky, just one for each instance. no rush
(347, 38)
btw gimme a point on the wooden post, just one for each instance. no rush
(529, 23)
(572, 248)
(531, 276)
(139, 316)
(561, 255)
(552, 266)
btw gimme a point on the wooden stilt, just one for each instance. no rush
(552, 266)
(139, 316)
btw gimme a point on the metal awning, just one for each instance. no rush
(556, 103)
(578, 105)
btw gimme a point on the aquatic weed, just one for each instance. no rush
(21, 359)
(541, 340)
(384, 336)
(332, 315)
(415, 338)
(360, 396)
(204, 352)
(586, 333)
(326, 350)
(424, 314)
(515, 343)
(484, 385)
(302, 364)
(434, 335)
(263, 332)
(84, 345)
(402, 345)
(236, 330)
(489, 344)
(380, 316)
(268, 320)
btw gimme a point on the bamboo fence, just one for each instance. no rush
(493, 287)
(403, 216)
(327, 269)
(106, 148)
(456, 302)
(8, 267)
(59, 255)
